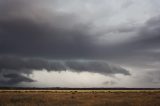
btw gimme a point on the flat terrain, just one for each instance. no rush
(79, 98)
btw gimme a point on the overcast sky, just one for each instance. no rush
(80, 43)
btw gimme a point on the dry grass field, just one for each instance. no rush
(79, 98)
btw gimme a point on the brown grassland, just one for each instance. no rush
(79, 98)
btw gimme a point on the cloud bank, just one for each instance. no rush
(13, 68)
(79, 36)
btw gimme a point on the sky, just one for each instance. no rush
(80, 43)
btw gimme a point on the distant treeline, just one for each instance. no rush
(61, 88)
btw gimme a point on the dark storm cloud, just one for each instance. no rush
(13, 79)
(14, 67)
(41, 32)
(147, 38)
(22, 36)
(150, 33)
(27, 65)
(33, 31)
(96, 67)
(24, 64)
(27, 29)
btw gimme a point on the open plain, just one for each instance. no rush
(79, 98)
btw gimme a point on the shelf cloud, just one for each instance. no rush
(13, 68)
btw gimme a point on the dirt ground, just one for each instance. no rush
(79, 98)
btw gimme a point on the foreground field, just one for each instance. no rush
(79, 98)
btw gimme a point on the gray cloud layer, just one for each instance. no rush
(28, 30)
(51, 30)
(13, 68)
(11, 79)
(50, 33)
